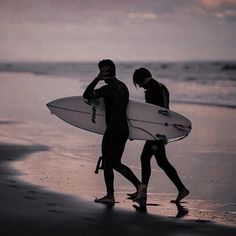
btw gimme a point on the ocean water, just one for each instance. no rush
(205, 160)
(210, 83)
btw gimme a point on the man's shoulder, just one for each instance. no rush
(122, 84)
(159, 84)
(164, 86)
(154, 84)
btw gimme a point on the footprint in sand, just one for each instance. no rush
(31, 191)
(29, 197)
(89, 219)
(203, 221)
(13, 186)
(55, 211)
(51, 204)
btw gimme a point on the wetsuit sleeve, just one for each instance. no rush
(166, 97)
(152, 95)
(157, 94)
(92, 93)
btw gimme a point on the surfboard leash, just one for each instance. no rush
(163, 139)
(141, 129)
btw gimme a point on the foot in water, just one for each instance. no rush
(105, 199)
(132, 195)
(141, 196)
(182, 194)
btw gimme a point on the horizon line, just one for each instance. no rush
(116, 61)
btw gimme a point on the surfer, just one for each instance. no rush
(157, 94)
(116, 97)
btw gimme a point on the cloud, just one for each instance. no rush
(143, 16)
(220, 9)
(215, 4)
(126, 29)
(229, 15)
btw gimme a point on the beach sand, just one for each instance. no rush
(47, 171)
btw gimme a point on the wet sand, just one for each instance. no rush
(28, 209)
(48, 183)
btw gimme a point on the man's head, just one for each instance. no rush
(108, 66)
(141, 76)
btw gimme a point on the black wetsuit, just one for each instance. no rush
(157, 94)
(116, 98)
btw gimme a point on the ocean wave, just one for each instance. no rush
(232, 106)
(194, 71)
(229, 67)
(199, 83)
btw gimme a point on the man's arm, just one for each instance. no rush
(90, 92)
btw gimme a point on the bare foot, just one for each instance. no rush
(141, 196)
(182, 194)
(105, 199)
(132, 195)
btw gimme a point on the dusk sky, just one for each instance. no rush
(124, 30)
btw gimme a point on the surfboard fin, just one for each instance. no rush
(181, 127)
(161, 137)
(164, 112)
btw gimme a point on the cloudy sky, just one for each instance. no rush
(125, 30)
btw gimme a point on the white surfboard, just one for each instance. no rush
(146, 121)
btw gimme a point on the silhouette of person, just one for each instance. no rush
(157, 94)
(116, 97)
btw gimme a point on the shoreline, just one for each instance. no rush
(47, 171)
(206, 104)
(60, 169)
(46, 77)
(27, 209)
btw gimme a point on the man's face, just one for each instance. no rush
(141, 84)
(104, 73)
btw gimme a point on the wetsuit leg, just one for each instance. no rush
(146, 162)
(107, 165)
(160, 155)
(112, 151)
(119, 146)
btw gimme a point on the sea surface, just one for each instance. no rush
(210, 83)
(205, 92)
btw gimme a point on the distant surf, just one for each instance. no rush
(208, 83)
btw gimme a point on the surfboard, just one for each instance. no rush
(146, 121)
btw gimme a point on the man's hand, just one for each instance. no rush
(103, 73)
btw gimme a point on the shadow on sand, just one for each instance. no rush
(27, 209)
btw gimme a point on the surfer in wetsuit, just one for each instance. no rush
(116, 97)
(157, 94)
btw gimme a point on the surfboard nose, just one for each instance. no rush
(50, 106)
(52, 103)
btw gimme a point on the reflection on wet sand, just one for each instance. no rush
(182, 211)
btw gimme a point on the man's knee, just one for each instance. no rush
(116, 165)
(143, 159)
(163, 163)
